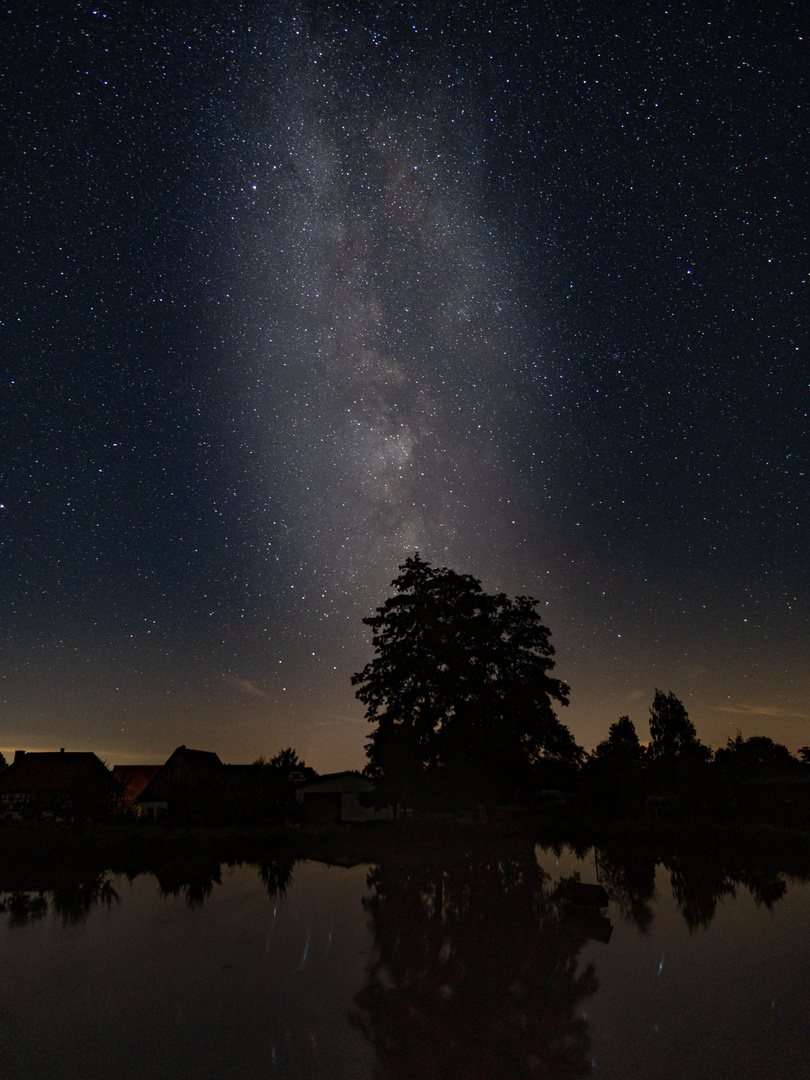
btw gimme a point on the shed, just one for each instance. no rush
(337, 797)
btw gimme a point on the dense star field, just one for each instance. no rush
(293, 290)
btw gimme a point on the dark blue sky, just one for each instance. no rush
(293, 290)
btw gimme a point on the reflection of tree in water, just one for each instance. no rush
(476, 973)
(194, 880)
(72, 898)
(700, 878)
(697, 885)
(24, 907)
(75, 898)
(699, 881)
(764, 883)
(628, 876)
(276, 874)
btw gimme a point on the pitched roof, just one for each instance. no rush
(38, 773)
(185, 769)
(337, 775)
(199, 757)
(348, 781)
(135, 777)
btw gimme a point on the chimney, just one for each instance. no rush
(17, 755)
(61, 749)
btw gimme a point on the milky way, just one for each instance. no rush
(299, 289)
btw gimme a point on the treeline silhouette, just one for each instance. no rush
(462, 698)
(676, 776)
(673, 777)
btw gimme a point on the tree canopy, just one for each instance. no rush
(743, 759)
(622, 741)
(614, 772)
(672, 733)
(276, 781)
(460, 685)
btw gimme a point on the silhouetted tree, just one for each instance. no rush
(264, 792)
(278, 780)
(677, 758)
(460, 689)
(743, 759)
(622, 741)
(3, 762)
(672, 733)
(746, 759)
(613, 777)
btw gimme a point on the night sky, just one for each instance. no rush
(293, 290)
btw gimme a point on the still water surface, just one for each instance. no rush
(477, 968)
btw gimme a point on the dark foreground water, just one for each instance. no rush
(477, 966)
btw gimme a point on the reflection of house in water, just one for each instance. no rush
(582, 909)
(56, 785)
(342, 796)
(188, 781)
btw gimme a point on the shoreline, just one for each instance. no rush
(130, 847)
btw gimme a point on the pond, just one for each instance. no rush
(492, 963)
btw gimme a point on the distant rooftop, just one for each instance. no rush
(36, 773)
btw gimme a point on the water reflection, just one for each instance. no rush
(481, 963)
(699, 883)
(276, 874)
(73, 900)
(192, 879)
(23, 907)
(699, 880)
(629, 878)
(475, 971)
